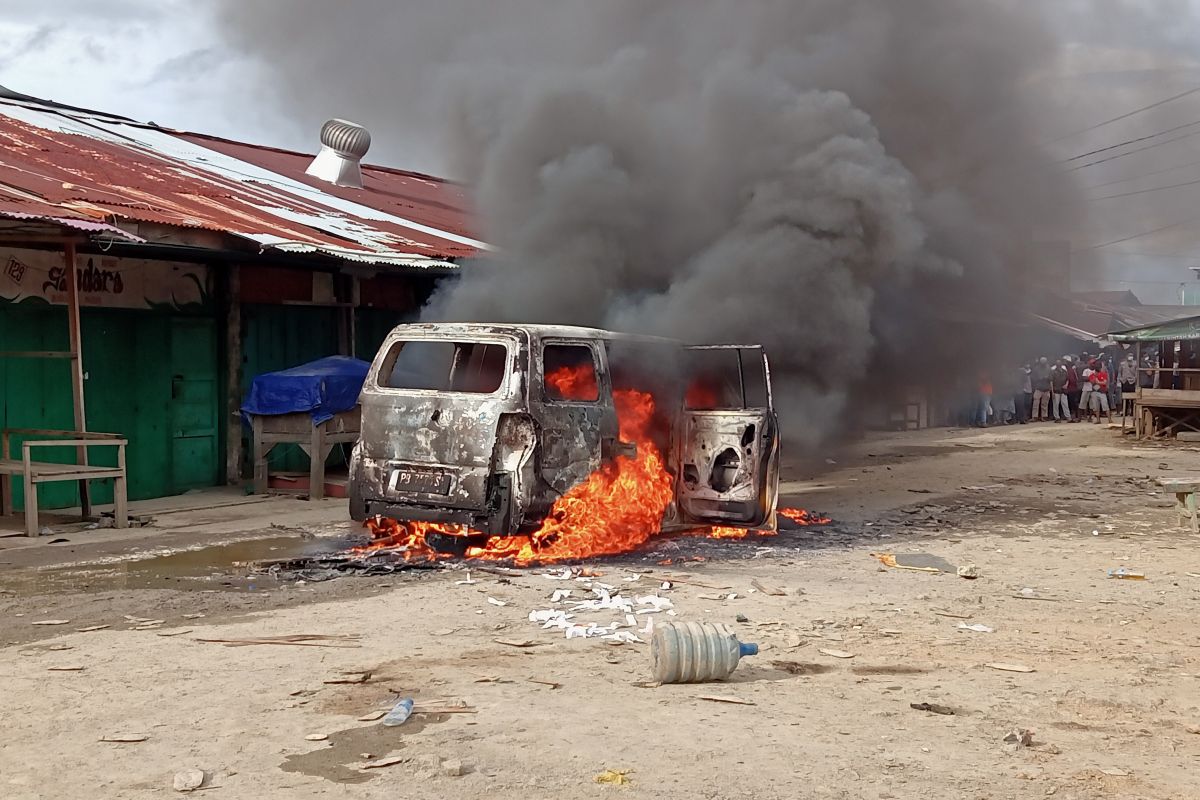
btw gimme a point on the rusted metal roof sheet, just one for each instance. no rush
(84, 167)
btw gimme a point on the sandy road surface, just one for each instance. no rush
(1113, 703)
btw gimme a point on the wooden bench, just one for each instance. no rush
(1185, 498)
(36, 472)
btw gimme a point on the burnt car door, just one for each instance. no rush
(572, 402)
(728, 443)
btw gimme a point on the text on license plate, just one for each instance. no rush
(420, 481)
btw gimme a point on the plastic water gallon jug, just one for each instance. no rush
(695, 652)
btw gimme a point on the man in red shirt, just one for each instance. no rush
(1099, 394)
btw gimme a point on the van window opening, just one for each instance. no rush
(434, 365)
(570, 373)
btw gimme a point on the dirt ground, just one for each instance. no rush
(1112, 698)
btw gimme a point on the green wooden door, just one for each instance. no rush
(194, 401)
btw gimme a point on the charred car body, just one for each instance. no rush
(469, 424)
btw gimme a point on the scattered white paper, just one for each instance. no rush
(560, 595)
(976, 627)
(496, 602)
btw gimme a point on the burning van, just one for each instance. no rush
(562, 440)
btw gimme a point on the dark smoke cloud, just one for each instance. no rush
(823, 177)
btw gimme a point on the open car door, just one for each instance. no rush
(728, 445)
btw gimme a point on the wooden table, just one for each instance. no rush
(315, 440)
(37, 472)
(1185, 498)
(1161, 413)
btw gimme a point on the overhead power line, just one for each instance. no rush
(1144, 175)
(1128, 114)
(1130, 141)
(1144, 191)
(1143, 234)
(1131, 152)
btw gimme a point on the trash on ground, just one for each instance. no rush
(741, 618)
(382, 762)
(91, 628)
(188, 780)
(51, 622)
(1120, 573)
(962, 626)
(835, 653)
(968, 571)
(353, 676)
(298, 639)
(716, 698)
(125, 738)
(773, 591)
(917, 562)
(174, 633)
(518, 642)
(695, 652)
(616, 777)
(551, 684)
(399, 713)
(73, 668)
(61, 647)
(1022, 737)
(193, 616)
(933, 708)
(941, 612)
(372, 717)
(467, 581)
(560, 595)
(496, 602)
(317, 737)
(1009, 667)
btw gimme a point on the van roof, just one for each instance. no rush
(539, 331)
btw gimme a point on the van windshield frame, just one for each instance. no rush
(461, 369)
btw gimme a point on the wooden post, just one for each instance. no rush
(233, 375)
(85, 497)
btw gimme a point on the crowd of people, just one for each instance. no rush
(1068, 389)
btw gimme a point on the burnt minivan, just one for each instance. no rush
(473, 424)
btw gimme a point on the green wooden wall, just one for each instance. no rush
(131, 387)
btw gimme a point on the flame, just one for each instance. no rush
(802, 516)
(574, 383)
(701, 396)
(616, 510)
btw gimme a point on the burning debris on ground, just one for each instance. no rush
(394, 547)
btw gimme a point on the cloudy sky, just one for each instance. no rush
(165, 61)
(158, 60)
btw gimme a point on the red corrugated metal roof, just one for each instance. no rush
(76, 166)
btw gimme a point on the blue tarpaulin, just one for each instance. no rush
(323, 388)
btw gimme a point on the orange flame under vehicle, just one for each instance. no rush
(538, 442)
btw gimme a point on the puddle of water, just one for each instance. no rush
(218, 567)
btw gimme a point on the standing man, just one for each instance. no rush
(1040, 376)
(985, 399)
(1072, 388)
(1058, 391)
(1085, 385)
(1023, 398)
(1127, 376)
(1100, 392)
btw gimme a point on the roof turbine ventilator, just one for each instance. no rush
(343, 144)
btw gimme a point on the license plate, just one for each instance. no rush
(408, 481)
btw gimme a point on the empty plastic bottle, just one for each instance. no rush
(399, 713)
(695, 652)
